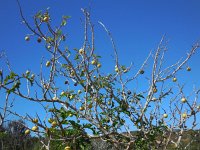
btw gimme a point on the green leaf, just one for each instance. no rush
(10, 77)
(58, 34)
(64, 22)
(66, 17)
(76, 57)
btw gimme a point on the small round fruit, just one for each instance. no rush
(54, 124)
(81, 108)
(48, 63)
(72, 73)
(174, 79)
(70, 115)
(32, 76)
(27, 38)
(188, 69)
(48, 47)
(62, 93)
(79, 92)
(109, 102)
(39, 40)
(116, 69)
(98, 65)
(27, 72)
(183, 100)
(35, 128)
(45, 86)
(155, 90)
(81, 51)
(71, 96)
(67, 148)
(46, 18)
(141, 71)
(165, 115)
(154, 99)
(27, 132)
(90, 106)
(35, 120)
(93, 62)
(55, 98)
(50, 120)
(184, 115)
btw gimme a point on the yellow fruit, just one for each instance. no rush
(155, 90)
(71, 96)
(79, 91)
(48, 63)
(46, 19)
(165, 115)
(81, 108)
(98, 65)
(35, 128)
(70, 115)
(90, 106)
(50, 120)
(93, 62)
(116, 69)
(184, 115)
(32, 76)
(81, 51)
(72, 73)
(154, 99)
(27, 132)
(27, 38)
(109, 102)
(62, 93)
(45, 86)
(183, 100)
(27, 72)
(67, 148)
(174, 79)
(188, 69)
(55, 98)
(54, 124)
(35, 120)
(49, 47)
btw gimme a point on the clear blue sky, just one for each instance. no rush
(137, 27)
